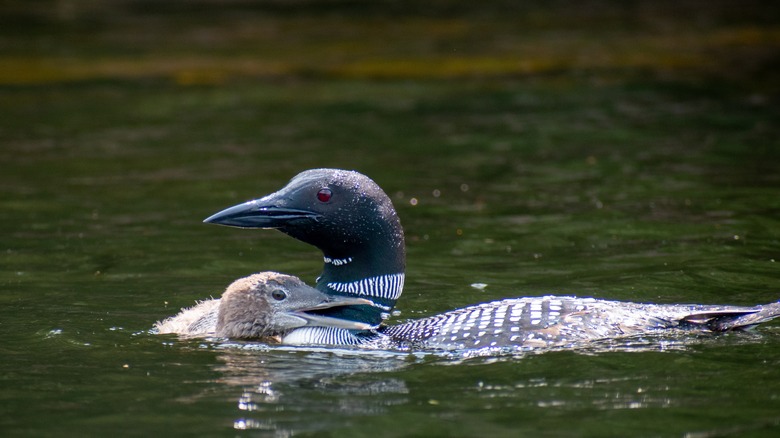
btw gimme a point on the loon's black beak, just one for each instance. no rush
(260, 213)
(314, 319)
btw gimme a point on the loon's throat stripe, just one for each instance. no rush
(320, 335)
(388, 287)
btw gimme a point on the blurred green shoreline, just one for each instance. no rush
(213, 42)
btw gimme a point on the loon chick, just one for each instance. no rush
(353, 222)
(266, 306)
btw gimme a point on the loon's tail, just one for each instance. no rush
(734, 318)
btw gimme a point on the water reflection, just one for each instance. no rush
(280, 386)
(283, 391)
(634, 392)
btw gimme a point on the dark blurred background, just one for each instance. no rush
(214, 41)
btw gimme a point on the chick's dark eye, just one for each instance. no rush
(278, 295)
(324, 195)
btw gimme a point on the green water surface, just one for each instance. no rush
(621, 150)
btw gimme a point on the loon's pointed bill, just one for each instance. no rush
(318, 320)
(259, 213)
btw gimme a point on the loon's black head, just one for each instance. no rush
(270, 304)
(347, 216)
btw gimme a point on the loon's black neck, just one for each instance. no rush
(372, 268)
(364, 263)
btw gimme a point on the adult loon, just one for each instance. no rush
(352, 221)
(271, 307)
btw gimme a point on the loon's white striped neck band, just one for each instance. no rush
(387, 287)
(337, 262)
(320, 335)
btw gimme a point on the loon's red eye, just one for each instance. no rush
(324, 195)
